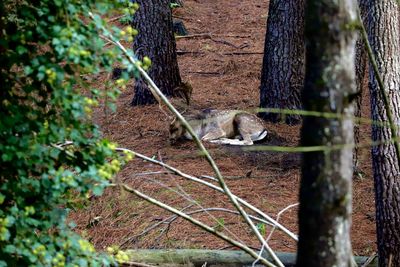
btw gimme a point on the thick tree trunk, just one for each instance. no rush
(384, 29)
(325, 193)
(282, 74)
(361, 72)
(156, 40)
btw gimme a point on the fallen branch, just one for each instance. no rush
(196, 35)
(148, 229)
(218, 257)
(198, 180)
(243, 53)
(182, 52)
(208, 35)
(173, 218)
(211, 37)
(205, 72)
(136, 264)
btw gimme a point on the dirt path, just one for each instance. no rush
(220, 80)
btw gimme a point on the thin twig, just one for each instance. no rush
(173, 218)
(116, 18)
(195, 35)
(136, 264)
(182, 52)
(204, 72)
(195, 179)
(150, 173)
(148, 229)
(369, 260)
(195, 222)
(242, 53)
(272, 231)
(208, 35)
(186, 196)
(278, 217)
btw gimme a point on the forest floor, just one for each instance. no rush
(225, 74)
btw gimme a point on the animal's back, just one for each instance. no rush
(213, 124)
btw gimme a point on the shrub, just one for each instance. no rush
(45, 49)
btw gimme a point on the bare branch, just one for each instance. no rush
(198, 180)
(278, 217)
(273, 229)
(196, 222)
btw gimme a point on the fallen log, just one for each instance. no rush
(197, 257)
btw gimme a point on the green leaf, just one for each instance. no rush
(97, 190)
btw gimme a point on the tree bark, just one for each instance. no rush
(361, 72)
(325, 192)
(282, 74)
(156, 40)
(383, 28)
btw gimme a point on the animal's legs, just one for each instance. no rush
(227, 141)
(249, 128)
(214, 134)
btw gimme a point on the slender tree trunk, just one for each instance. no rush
(325, 193)
(156, 40)
(361, 72)
(282, 74)
(384, 34)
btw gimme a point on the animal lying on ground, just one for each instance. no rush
(232, 127)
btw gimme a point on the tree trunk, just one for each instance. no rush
(325, 193)
(383, 30)
(156, 40)
(361, 71)
(282, 75)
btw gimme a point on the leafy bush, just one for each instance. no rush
(45, 49)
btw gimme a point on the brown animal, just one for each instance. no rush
(232, 127)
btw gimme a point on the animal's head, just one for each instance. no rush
(176, 131)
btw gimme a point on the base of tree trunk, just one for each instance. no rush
(142, 95)
(276, 118)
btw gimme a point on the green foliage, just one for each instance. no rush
(262, 228)
(45, 49)
(174, 5)
(220, 224)
(125, 20)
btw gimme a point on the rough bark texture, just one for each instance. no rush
(383, 30)
(282, 75)
(325, 193)
(361, 72)
(156, 40)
